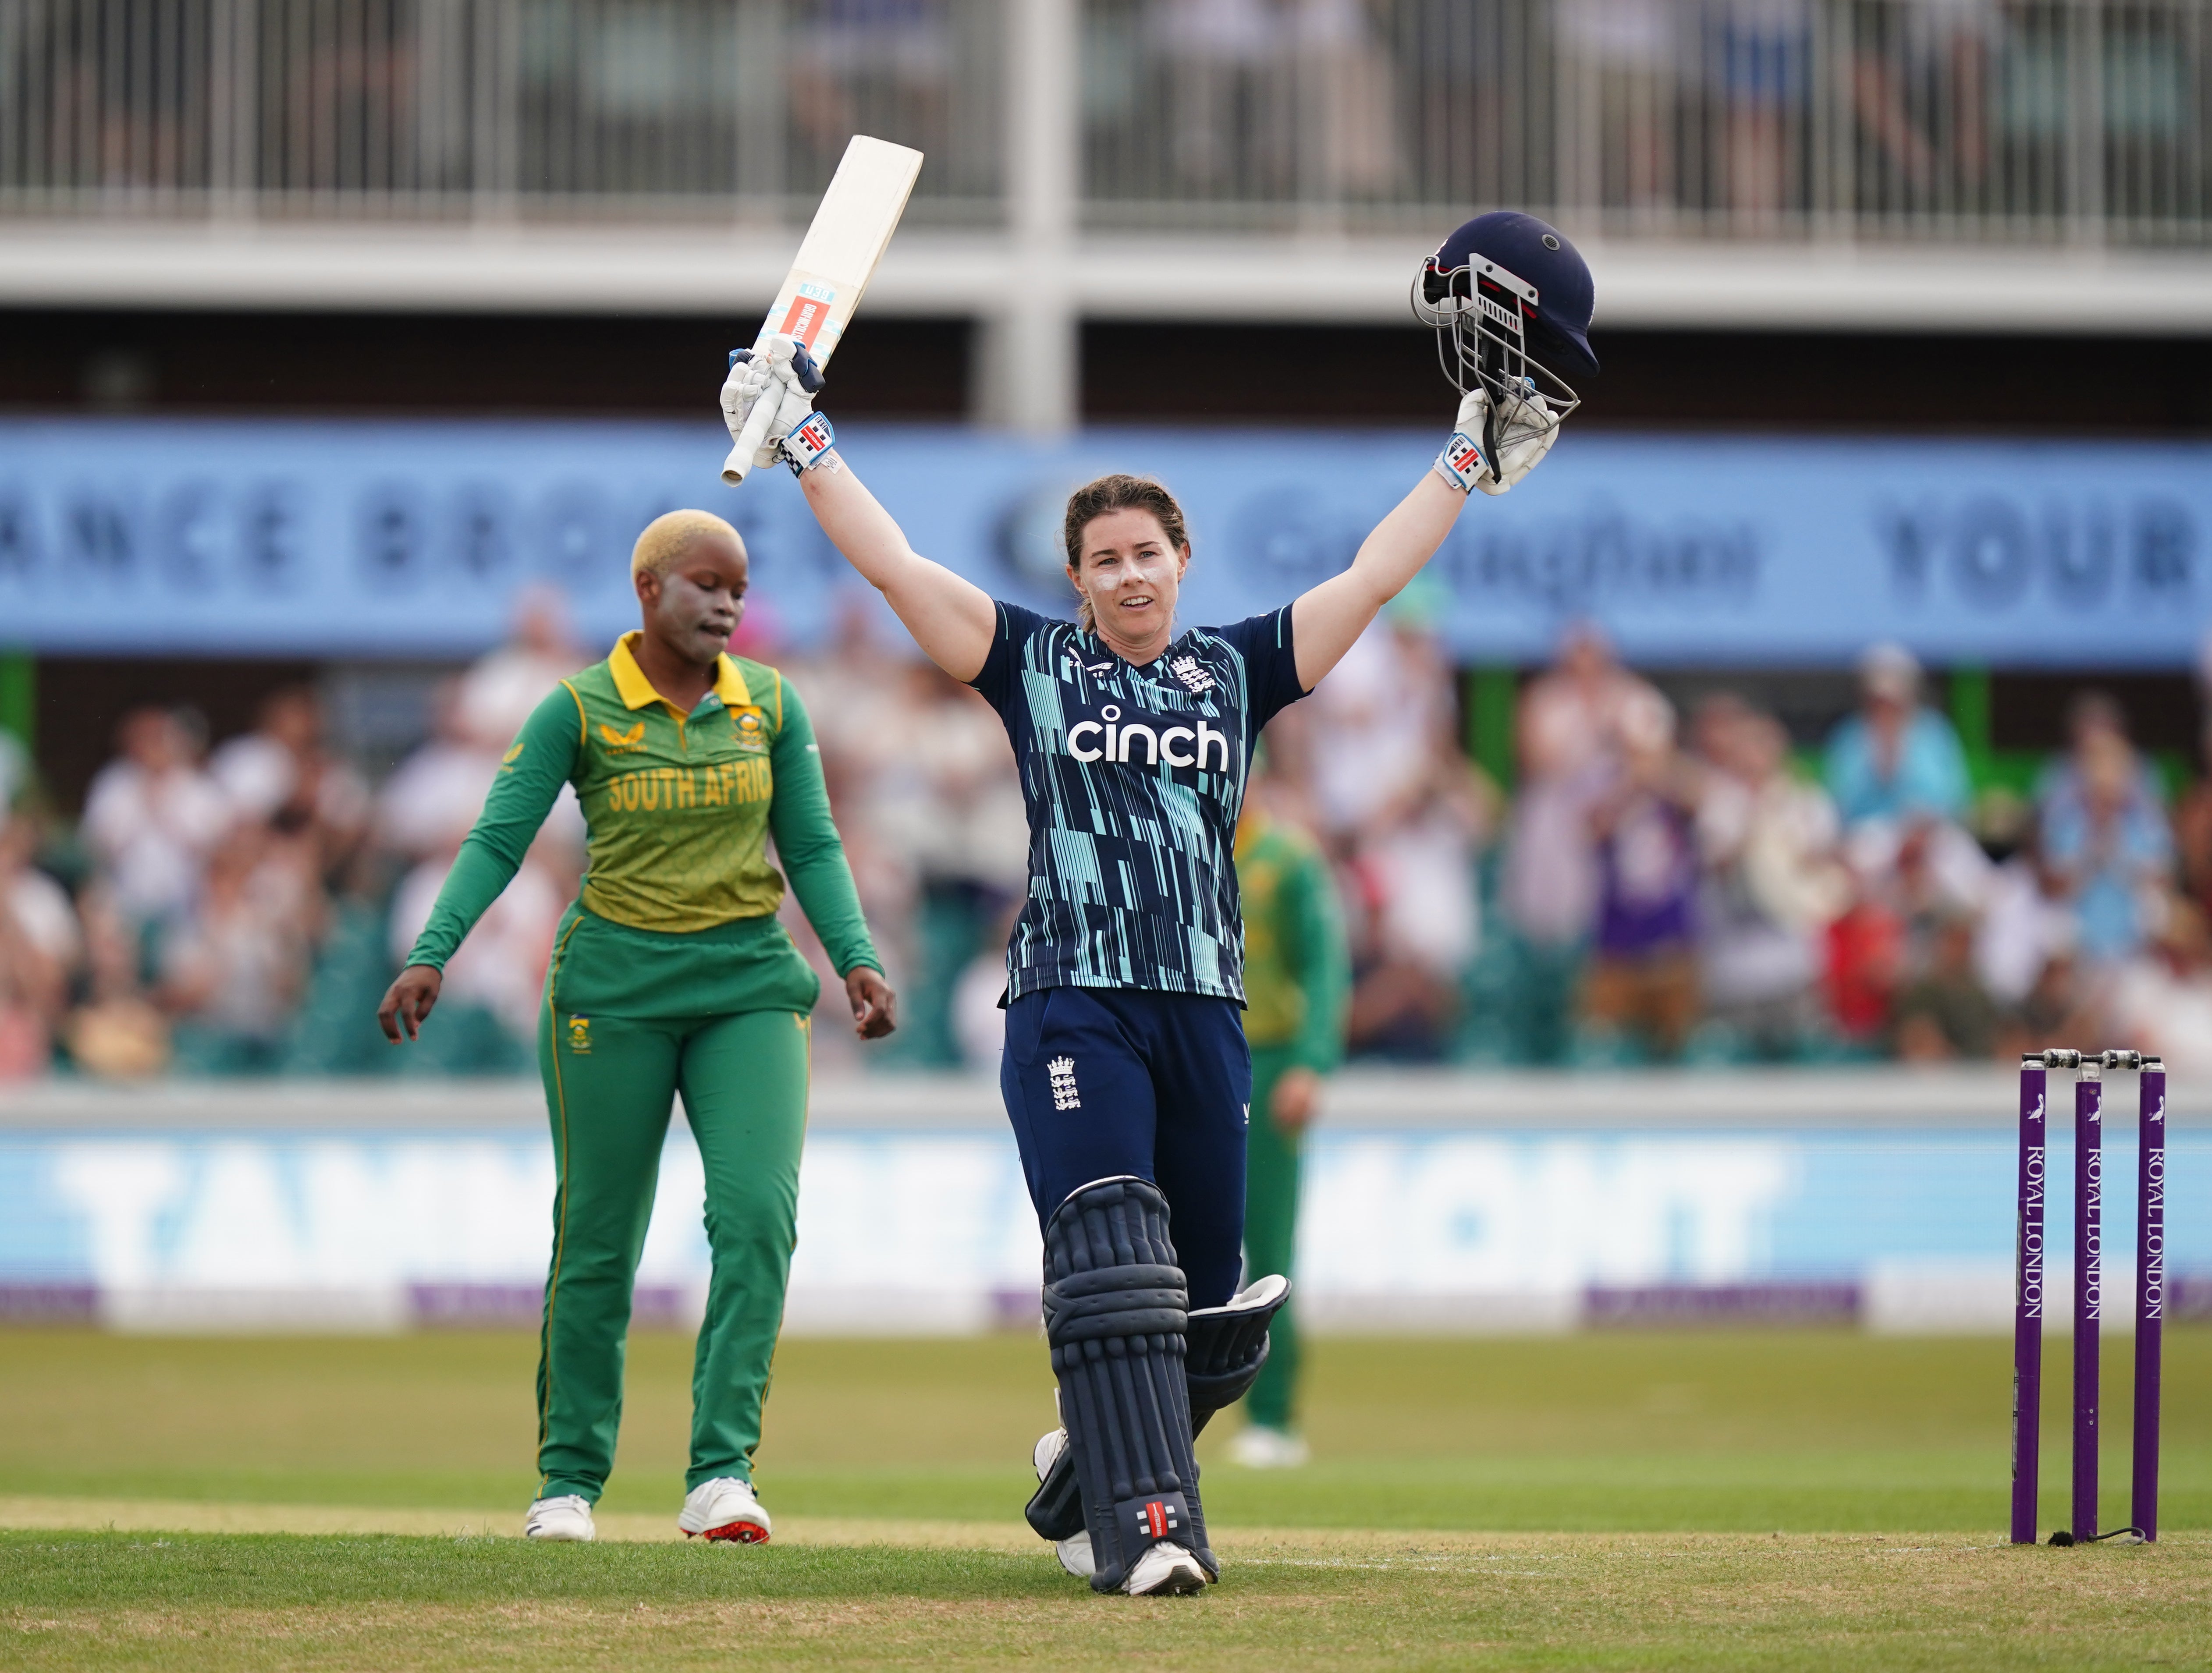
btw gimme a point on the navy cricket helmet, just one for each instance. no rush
(1510, 301)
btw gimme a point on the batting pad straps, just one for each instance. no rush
(1227, 1345)
(1461, 462)
(1115, 1305)
(1119, 1302)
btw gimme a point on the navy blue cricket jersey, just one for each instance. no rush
(1133, 778)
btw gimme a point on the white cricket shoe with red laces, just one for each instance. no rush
(724, 1508)
(564, 1517)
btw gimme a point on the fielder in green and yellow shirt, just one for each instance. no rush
(1298, 984)
(669, 973)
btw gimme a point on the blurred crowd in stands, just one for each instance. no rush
(1654, 887)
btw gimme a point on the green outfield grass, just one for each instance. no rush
(1752, 1499)
(1528, 1601)
(1804, 1431)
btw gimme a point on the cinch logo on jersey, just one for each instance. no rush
(1109, 738)
(670, 789)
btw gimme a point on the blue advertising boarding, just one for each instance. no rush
(401, 538)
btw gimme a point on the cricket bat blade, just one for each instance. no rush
(851, 227)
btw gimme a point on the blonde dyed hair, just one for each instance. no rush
(671, 535)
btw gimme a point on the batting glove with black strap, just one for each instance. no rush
(781, 370)
(1524, 429)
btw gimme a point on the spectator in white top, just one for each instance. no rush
(497, 694)
(1773, 882)
(152, 816)
(234, 971)
(40, 947)
(2027, 922)
(1379, 723)
(430, 801)
(281, 768)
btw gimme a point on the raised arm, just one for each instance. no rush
(952, 619)
(1327, 619)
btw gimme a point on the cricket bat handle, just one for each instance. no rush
(739, 464)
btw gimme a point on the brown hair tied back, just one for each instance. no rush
(1118, 493)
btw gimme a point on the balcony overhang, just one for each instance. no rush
(1710, 284)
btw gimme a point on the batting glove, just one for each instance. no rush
(781, 370)
(1525, 429)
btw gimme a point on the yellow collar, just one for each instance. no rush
(636, 691)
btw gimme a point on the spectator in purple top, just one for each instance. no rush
(1641, 982)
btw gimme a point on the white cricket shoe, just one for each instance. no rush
(724, 1508)
(1256, 1446)
(566, 1516)
(1075, 1555)
(1165, 1571)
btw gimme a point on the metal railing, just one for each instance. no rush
(1945, 119)
(434, 109)
(1958, 120)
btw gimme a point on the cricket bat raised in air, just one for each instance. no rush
(857, 217)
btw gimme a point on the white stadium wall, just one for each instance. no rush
(1520, 1203)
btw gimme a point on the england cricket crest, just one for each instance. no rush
(1061, 1073)
(1197, 679)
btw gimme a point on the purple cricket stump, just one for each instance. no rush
(2089, 1287)
(2150, 1292)
(2027, 1304)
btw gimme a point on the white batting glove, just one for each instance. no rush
(782, 371)
(1526, 427)
(749, 376)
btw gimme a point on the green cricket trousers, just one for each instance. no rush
(631, 1019)
(1271, 1234)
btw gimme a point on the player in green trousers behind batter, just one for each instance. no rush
(1298, 984)
(669, 973)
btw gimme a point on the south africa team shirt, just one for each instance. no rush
(1133, 778)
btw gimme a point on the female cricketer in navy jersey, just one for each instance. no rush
(1126, 1073)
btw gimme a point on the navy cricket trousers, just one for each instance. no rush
(1105, 1081)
